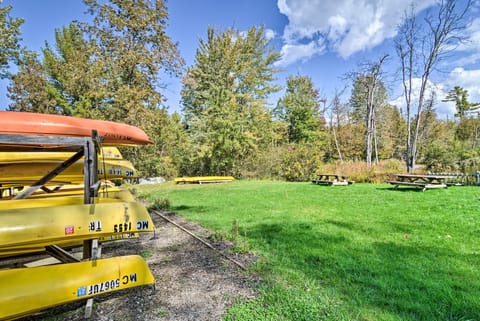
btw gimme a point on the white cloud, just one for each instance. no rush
(294, 52)
(443, 109)
(467, 79)
(347, 26)
(471, 47)
(269, 34)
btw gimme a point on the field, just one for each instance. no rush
(359, 252)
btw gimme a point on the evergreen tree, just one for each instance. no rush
(108, 69)
(75, 74)
(31, 90)
(224, 98)
(299, 108)
(132, 47)
(460, 97)
(9, 39)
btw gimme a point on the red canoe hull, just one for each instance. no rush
(23, 123)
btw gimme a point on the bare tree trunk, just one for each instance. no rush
(373, 80)
(405, 47)
(336, 107)
(334, 134)
(368, 136)
(421, 99)
(475, 137)
(337, 146)
(375, 141)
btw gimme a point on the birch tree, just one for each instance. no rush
(368, 95)
(419, 54)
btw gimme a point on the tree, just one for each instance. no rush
(108, 69)
(170, 150)
(368, 96)
(391, 127)
(9, 39)
(468, 127)
(460, 97)
(420, 54)
(76, 76)
(299, 108)
(339, 112)
(224, 98)
(132, 47)
(68, 81)
(30, 89)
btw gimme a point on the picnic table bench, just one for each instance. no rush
(332, 179)
(421, 181)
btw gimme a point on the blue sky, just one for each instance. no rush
(323, 39)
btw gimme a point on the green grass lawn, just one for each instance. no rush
(359, 252)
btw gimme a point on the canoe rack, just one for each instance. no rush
(82, 147)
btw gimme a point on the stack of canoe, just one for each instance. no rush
(57, 219)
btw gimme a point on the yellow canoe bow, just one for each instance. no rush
(28, 290)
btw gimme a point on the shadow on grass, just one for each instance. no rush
(341, 224)
(400, 189)
(185, 208)
(402, 279)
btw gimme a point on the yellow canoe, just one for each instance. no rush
(72, 190)
(32, 171)
(203, 179)
(43, 226)
(36, 249)
(50, 201)
(28, 290)
(107, 153)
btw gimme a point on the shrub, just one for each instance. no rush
(299, 162)
(158, 202)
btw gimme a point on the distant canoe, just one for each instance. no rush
(203, 179)
(28, 290)
(23, 123)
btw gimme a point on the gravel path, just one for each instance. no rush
(192, 281)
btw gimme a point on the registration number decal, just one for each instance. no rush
(106, 285)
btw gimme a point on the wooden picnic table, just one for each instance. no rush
(421, 181)
(332, 179)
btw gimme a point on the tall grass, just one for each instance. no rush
(361, 173)
(359, 252)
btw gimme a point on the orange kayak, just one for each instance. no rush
(113, 133)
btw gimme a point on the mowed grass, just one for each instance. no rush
(359, 252)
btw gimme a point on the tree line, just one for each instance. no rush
(111, 68)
